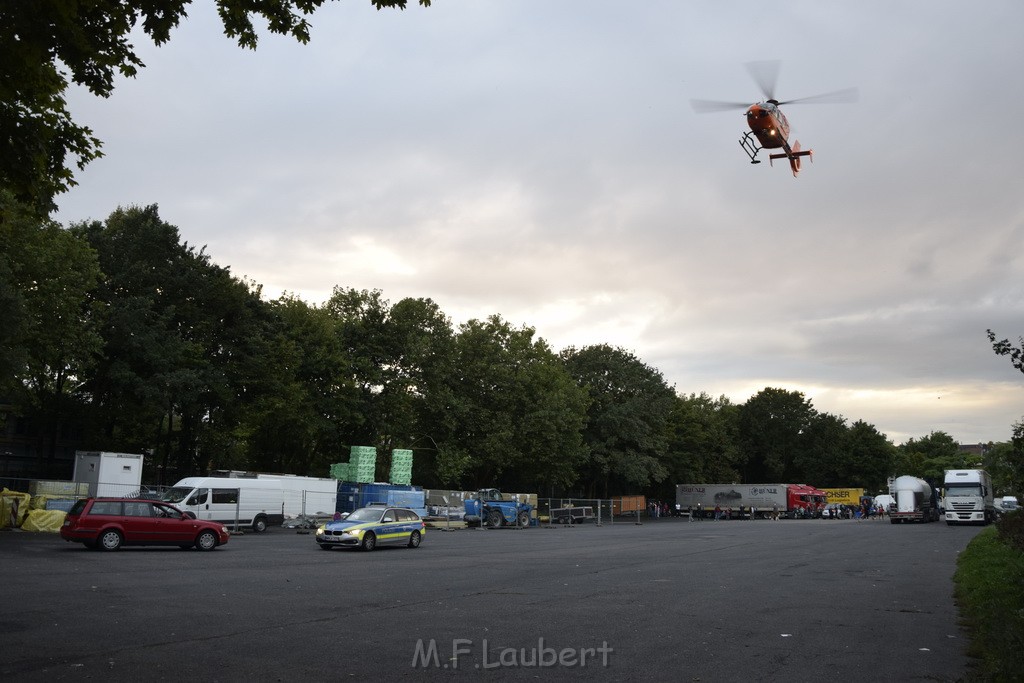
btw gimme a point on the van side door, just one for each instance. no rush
(198, 504)
(224, 505)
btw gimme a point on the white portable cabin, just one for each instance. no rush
(109, 474)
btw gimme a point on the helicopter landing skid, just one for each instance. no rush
(750, 147)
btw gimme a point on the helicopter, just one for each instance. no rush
(768, 125)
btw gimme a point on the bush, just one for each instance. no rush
(1011, 529)
(990, 593)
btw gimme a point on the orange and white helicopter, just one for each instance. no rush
(768, 125)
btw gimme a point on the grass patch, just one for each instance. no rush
(990, 593)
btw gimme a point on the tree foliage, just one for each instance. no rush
(512, 407)
(772, 431)
(141, 342)
(930, 456)
(48, 345)
(1011, 466)
(703, 443)
(628, 421)
(1004, 347)
(47, 44)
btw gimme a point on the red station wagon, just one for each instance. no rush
(109, 523)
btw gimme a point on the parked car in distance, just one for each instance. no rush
(369, 527)
(110, 523)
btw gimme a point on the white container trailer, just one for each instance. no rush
(306, 495)
(791, 500)
(109, 474)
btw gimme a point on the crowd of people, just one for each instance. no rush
(659, 509)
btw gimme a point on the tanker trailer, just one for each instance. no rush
(915, 500)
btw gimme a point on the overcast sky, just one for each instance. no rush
(540, 160)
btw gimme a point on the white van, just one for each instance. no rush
(255, 501)
(249, 502)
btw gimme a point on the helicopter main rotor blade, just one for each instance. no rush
(707, 106)
(765, 74)
(834, 97)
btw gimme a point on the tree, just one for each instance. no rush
(43, 43)
(510, 404)
(305, 397)
(772, 425)
(703, 445)
(823, 458)
(628, 422)
(871, 456)
(177, 334)
(1005, 348)
(930, 456)
(396, 356)
(47, 275)
(1003, 461)
(1014, 462)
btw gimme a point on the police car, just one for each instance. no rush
(369, 527)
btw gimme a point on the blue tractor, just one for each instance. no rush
(490, 508)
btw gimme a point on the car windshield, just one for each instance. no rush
(365, 515)
(969, 490)
(176, 494)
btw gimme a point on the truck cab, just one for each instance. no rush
(969, 498)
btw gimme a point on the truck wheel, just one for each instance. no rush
(111, 539)
(207, 540)
(369, 541)
(524, 519)
(259, 525)
(495, 519)
(414, 539)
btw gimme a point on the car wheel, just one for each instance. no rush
(111, 539)
(259, 525)
(324, 546)
(524, 519)
(415, 539)
(206, 540)
(495, 519)
(369, 541)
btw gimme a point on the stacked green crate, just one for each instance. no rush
(363, 464)
(339, 471)
(401, 467)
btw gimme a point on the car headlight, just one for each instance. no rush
(321, 529)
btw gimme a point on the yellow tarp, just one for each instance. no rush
(44, 520)
(13, 508)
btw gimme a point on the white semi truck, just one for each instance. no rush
(915, 500)
(969, 497)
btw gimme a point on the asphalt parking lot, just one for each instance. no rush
(665, 600)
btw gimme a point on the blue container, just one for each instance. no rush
(348, 497)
